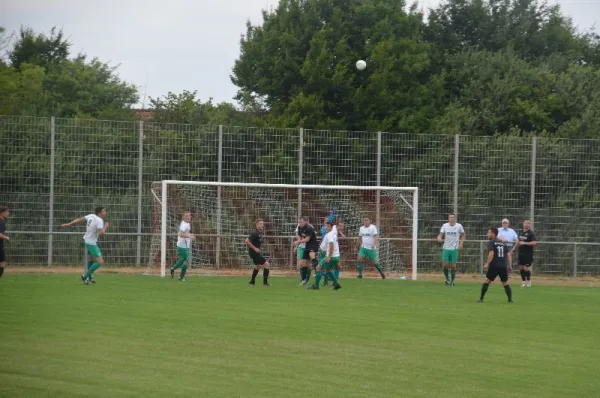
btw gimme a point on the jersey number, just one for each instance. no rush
(89, 222)
(501, 251)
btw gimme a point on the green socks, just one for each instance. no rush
(453, 273)
(332, 277)
(91, 269)
(178, 264)
(183, 269)
(379, 269)
(308, 270)
(446, 273)
(318, 277)
(89, 264)
(360, 269)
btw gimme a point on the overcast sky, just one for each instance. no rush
(173, 45)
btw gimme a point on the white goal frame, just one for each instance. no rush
(164, 207)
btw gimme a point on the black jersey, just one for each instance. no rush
(309, 231)
(256, 239)
(500, 253)
(526, 236)
(2, 230)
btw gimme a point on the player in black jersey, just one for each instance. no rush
(3, 216)
(525, 244)
(308, 235)
(496, 264)
(254, 242)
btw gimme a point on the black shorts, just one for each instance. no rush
(312, 247)
(257, 258)
(2, 258)
(525, 260)
(495, 271)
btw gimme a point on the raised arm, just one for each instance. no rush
(75, 221)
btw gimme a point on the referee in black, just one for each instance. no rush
(525, 244)
(4, 213)
(254, 242)
(496, 264)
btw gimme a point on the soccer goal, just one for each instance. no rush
(223, 214)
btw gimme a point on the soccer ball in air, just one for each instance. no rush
(361, 65)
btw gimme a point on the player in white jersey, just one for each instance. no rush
(96, 226)
(453, 235)
(367, 247)
(184, 243)
(303, 266)
(509, 237)
(327, 264)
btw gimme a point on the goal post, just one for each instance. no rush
(224, 213)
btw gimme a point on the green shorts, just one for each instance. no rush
(300, 253)
(331, 264)
(93, 250)
(371, 254)
(183, 253)
(450, 256)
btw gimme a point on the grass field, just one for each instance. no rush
(132, 335)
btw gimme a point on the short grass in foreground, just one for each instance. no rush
(217, 336)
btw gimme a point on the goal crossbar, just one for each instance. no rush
(164, 197)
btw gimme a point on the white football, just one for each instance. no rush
(361, 65)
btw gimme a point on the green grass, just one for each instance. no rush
(216, 336)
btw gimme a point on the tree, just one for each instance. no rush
(39, 49)
(301, 61)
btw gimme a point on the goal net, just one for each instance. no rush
(223, 215)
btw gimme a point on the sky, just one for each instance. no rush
(174, 45)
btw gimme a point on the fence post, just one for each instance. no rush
(481, 249)
(532, 188)
(456, 156)
(378, 205)
(575, 261)
(300, 161)
(219, 201)
(140, 189)
(51, 199)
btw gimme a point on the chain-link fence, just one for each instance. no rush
(54, 170)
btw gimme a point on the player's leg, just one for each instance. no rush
(453, 260)
(310, 255)
(2, 262)
(504, 278)
(523, 272)
(266, 267)
(490, 276)
(301, 264)
(337, 270)
(445, 262)
(528, 273)
(330, 267)
(256, 261)
(318, 276)
(97, 260)
(372, 254)
(184, 257)
(178, 263)
(360, 261)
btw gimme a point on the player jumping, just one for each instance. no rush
(95, 227)
(496, 261)
(254, 242)
(184, 239)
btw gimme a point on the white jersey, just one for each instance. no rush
(184, 242)
(94, 225)
(452, 235)
(368, 235)
(330, 238)
(509, 234)
(301, 245)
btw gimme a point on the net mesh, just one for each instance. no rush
(221, 230)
